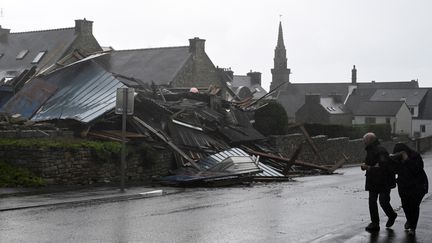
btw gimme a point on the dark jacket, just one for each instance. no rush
(411, 176)
(380, 176)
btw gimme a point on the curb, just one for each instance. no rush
(154, 193)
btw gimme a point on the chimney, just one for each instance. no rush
(312, 98)
(84, 26)
(4, 33)
(354, 75)
(229, 72)
(197, 46)
(255, 77)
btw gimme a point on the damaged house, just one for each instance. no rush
(26, 54)
(81, 96)
(182, 103)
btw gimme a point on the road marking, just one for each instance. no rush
(152, 193)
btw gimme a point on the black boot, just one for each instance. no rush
(391, 220)
(407, 225)
(373, 227)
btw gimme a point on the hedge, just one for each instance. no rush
(383, 131)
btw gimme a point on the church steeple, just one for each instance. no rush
(280, 72)
(280, 42)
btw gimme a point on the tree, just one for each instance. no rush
(271, 119)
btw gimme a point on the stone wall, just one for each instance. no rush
(82, 166)
(35, 133)
(332, 150)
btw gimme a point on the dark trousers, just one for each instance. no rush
(411, 206)
(384, 200)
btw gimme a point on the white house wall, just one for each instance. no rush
(416, 127)
(404, 121)
(378, 120)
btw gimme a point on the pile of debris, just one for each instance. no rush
(213, 141)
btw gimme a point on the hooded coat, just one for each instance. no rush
(411, 176)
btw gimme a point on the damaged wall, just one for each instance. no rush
(331, 149)
(81, 166)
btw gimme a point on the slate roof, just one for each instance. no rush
(425, 109)
(160, 65)
(389, 85)
(378, 108)
(412, 97)
(357, 97)
(56, 42)
(292, 95)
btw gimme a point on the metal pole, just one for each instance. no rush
(123, 151)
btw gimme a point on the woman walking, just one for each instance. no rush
(412, 183)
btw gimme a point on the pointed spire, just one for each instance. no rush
(280, 42)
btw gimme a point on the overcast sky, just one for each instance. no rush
(387, 40)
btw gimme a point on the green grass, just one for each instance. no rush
(13, 176)
(102, 149)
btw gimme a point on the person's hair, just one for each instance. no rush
(369, 138)
(399, 147)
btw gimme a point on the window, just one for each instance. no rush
(412, 110)
(423, 128)
(22, 54)
(38, 57)
(370, 120)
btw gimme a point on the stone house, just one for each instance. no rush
(25, 54)
(172, 68)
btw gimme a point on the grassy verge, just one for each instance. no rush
(13, 176)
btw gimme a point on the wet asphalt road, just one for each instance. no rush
(312, 209)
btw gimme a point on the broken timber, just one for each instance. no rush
(164, 138)
(293, 162)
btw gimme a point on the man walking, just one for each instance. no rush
(380, 179)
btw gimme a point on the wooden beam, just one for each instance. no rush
(168, 141)
(296, 162)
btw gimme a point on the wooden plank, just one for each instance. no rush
(311, 143)
(166, 139)
(296, 162)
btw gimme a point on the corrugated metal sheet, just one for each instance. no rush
(187, 137)
(85, 92)
(30, 98)
(212, 160)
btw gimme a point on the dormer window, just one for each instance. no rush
(1, 55)
(38, 57)
(22, 54)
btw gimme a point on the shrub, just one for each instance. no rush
(383, 131)
(103, 150)
(12, 176)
